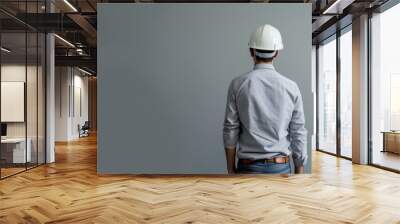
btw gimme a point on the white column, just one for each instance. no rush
(50, 100)
(50, 93)
(360, 90)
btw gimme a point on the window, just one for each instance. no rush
(346, 93)
(327, 96)
(333, 137)
(385, 89)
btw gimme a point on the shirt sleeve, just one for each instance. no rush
(298, 133)
(231, 121)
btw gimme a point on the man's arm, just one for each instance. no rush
(298, 135)
(231, 130)
(230, 160)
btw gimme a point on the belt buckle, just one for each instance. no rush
(282, 159)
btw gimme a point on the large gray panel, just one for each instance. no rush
(163, 74)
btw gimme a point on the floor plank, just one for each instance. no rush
(70, 191)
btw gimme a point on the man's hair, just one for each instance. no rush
(258, 58)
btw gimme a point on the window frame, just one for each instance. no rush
(334, 37)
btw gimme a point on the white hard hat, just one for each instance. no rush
(268, 38)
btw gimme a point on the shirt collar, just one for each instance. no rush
(264, 66)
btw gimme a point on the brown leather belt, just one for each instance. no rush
(282, 159)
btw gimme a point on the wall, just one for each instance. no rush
(15, 72)
(62, 80)
(70, 83)
(164, 71)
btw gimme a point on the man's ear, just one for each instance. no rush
(251, 52)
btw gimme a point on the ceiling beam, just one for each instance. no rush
(86, 26)
(85, 61)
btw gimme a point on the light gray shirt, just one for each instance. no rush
(265, 117)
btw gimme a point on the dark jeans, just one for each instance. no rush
(267, 168)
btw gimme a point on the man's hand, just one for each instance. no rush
(230, 171)
(299, 170)
(230, 160)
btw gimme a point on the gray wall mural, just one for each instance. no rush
(163, 76)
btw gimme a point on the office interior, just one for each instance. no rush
(27, 59)
(48, 83)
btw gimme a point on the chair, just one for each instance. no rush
(84, 130)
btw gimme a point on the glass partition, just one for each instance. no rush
(22, 101)
(15, 152)
(32, 95)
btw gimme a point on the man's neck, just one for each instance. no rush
(261, 62)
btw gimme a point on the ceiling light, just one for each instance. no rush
(65, 41)
(70, 5)
(79, 51)
(5, 50)
(84, 71)
(329, 9)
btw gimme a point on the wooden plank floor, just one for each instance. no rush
(70, 191)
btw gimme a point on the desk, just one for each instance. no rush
(391, 141)
(13, 150)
